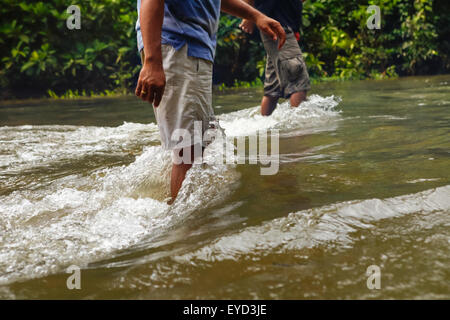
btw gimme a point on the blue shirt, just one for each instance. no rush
(191, 22)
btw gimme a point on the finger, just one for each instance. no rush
(138, 89)
(270, 33)
(151, 97)
(150, 94)
(145, 92)
(281, 35)
(158, 96)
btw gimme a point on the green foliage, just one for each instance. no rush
(39, 53)
(336, 34)
(414, 39)
(238, 56)
(76, 94)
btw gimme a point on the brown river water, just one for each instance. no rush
(364, 179)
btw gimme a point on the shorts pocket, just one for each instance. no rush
(292, 68)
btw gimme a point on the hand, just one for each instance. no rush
(247, 26)
(272, 28)
(151, 83)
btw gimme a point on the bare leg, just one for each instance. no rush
(176, 180)
(268, 104)
(179, 174)
(297, 98)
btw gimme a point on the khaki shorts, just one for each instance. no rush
(286, 71)
(187, 97)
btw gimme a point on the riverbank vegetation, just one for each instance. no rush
(40, 56)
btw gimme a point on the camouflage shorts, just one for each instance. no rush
(286, 71)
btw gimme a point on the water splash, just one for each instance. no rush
(316, 112)
(82, 217)
(328, 226)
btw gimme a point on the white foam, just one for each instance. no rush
(317, 111)
(27, 146)
(85, 217)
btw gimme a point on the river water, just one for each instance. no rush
(364, 179)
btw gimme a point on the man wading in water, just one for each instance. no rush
(177, 41)
(286, 73)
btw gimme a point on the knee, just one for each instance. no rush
(297, 98)
(270, 99)
(268, 105)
